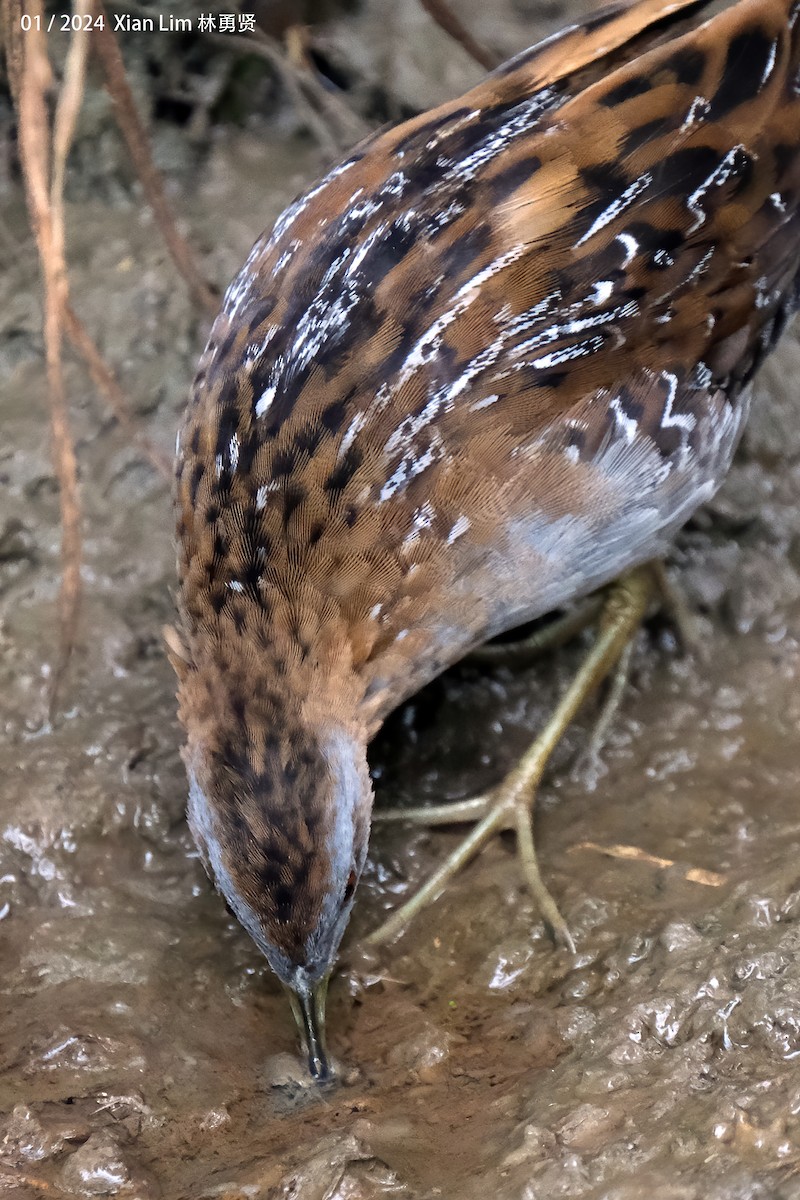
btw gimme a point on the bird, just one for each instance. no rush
(488, 364)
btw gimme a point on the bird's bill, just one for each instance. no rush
(308, 1007)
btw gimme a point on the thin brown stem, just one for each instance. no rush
(47, 222)
(70, 99)
(106, 384)
(138, 144)
(11, 13)
(447, 20)
(65, 119)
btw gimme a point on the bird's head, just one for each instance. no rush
(281, 818)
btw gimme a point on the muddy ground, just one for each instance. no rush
(147, 1052)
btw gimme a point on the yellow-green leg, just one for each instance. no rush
(590, 762)
(674, 604)
(510, 804)
(552, 636)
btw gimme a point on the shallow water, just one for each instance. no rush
(147, 1051)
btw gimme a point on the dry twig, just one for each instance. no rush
(13, 43)
(136, 139)
(101, 374)
(636, 854)
(46, 212)
(44, 156)
(18, 1180)
(106, 384)
(447, 20)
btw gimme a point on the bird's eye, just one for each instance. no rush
(351, 886)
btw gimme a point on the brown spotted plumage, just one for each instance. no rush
(492, 360)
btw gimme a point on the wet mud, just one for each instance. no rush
(146, 1050)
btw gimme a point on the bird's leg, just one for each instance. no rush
(673, 602)
(589, 759)
(510, 804)
(552, 636)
